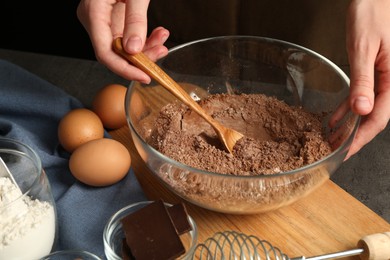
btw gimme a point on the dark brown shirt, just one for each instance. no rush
(316, 24)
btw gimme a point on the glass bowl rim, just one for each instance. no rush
(71, 251)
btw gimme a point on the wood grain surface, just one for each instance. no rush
(328, 220)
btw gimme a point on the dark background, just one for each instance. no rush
(41, 26)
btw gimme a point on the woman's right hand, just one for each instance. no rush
(105, 20)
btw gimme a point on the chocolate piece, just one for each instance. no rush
(126, 252)
(179, 216)
(151, 234)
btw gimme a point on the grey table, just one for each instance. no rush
(366, 175)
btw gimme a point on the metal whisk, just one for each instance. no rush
(234, 245)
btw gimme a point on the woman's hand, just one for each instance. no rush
(105, 20)
(368, 46)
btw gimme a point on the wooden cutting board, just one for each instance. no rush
(326, 221)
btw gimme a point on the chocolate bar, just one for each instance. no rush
(153, 232)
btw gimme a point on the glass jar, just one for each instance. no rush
(28, 219)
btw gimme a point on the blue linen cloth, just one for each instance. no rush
(30, 110)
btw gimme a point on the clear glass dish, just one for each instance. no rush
(113, 233)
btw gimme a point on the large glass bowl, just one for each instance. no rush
(244, 64)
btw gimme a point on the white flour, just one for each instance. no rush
(27, 227)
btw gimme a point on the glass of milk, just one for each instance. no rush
(27, 210)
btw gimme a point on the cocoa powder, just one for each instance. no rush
(277, 138)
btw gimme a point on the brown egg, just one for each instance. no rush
(109, 105)
(100, 162)
(79, 126)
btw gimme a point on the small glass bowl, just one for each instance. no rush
(71, 255)
(113, 233)
(33, 211)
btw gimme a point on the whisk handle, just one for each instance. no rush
(341, 254)
(375, 246)
(371, 247)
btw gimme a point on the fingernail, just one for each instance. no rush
(147, 80)
(134, 44)
(164, 38)
(362, 103)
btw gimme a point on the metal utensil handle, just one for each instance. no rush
(5, 172)
(337, 255)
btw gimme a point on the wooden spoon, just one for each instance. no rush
(228, 136)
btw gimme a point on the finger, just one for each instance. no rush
(118, 19)
(373, 124)
(339, 113)
(121, 67)
(154, 47)
(135, 25)
(93, 18)
(157, 37)
(362, 92)
(340, 130)
(362, 55)
(156, 52)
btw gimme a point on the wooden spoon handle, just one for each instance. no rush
(142, 61)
